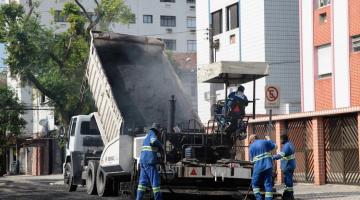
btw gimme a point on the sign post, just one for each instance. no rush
(272, 100)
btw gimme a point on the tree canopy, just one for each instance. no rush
(52, 62)
(11, 122)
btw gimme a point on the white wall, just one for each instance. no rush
(341, 53)
(202, 22)
(307, 52)
(181, 9)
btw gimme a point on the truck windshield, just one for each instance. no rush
(89, 129)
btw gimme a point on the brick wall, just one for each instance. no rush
(322, 30)
(323, 94)
(354, 18)
(354, 29)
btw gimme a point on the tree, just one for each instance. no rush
(54, 63)
(11, 122)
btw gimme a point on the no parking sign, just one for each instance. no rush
(272, 96)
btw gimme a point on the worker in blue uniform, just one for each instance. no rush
(148, 161)
(260, 155)
(288, 165)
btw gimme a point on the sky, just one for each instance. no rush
(2, 56)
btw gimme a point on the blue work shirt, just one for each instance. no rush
(287, 156)
(260, 154)
(237, 97)
(151, 146)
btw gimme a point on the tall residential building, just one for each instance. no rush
(252, 30)
(330, 47)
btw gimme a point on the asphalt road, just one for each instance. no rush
(51, 187)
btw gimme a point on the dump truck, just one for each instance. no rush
(133, 85)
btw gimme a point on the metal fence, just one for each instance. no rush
(341, 149)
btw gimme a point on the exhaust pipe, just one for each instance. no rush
(171, 115)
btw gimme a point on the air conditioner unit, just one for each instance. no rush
(193, 31)
(192, 7)
(169, 30)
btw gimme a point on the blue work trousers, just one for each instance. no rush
(149, 176)
(262, 178)
(288, 179)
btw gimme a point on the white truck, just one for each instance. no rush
(132, 81)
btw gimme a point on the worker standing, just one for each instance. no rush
(148, 162)
(260, 155)
(288, 165)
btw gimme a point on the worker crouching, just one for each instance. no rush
(260, 155)
(148, 162)
(288, 165)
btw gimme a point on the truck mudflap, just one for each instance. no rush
(117, 171)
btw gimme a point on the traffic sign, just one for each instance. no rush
(272, 96)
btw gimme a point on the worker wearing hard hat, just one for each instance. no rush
(288, 165)
(148, 161)
(260, 155)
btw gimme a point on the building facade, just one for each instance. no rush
(330, 46)
(252, 30)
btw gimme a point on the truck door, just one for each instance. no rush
(72, 134)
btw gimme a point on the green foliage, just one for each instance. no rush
(11, 122)
(114, 11)
(52, 62)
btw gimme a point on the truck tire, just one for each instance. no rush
(91, 177)
(68, 178)
(104, 184)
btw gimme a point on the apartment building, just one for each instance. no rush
(252, 30)
(330, 47)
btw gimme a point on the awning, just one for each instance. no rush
(234, 72)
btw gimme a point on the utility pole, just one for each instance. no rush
(211, 60)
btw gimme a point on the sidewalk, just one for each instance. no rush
(326, 192)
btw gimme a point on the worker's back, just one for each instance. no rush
(149, 149)
(288, 162)
(260, 154)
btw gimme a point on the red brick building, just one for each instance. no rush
(326, 134)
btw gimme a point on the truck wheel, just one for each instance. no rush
(104, 184)
(91, 177)
(68, 179)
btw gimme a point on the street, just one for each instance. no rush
(51, 187)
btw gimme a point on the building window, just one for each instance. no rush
(168, 21)
(216, 19)
(58, 17)
(148, 19)
(191, 22)
(323, 18)
(356, 43)
(169, 1)
(170, 44)
(190, 1)
(191, 45)
(324, 60)
(323, 3)
(232, 39)
(232, 15)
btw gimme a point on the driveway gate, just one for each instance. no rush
(341, 149)
(300, 133)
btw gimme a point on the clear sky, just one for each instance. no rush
(2, 56)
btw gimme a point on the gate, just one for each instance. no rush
(341, 149)
(300, 133)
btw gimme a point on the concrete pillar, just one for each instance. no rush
(279, 128)
(36, 161)
(319, 150)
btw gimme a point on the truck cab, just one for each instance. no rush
(84, 142)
